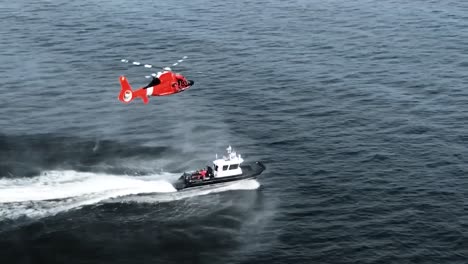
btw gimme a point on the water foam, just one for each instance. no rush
(64, 184)
(53, 192)
(56, 191)
(249, 184)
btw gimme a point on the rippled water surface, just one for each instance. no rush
(357, 108)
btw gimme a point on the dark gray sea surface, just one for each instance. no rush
(358, 109)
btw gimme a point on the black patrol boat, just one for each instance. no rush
(227, 169)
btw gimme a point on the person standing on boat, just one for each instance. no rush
(209, 172)
(202, 174)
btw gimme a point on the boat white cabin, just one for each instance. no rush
(227, 166)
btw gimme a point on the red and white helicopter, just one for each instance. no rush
(165, 82)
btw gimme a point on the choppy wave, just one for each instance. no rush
(249, 184)
(66, 184)
(358, 108)
(30, 155)
(57, 191)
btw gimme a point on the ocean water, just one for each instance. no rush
(358, 109)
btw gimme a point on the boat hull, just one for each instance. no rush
(249, 171)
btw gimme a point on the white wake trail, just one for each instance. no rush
(248, 184)
(64, 184)
(57, 191)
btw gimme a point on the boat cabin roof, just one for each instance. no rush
(231, 158)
